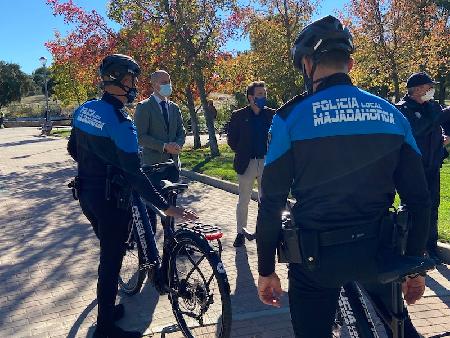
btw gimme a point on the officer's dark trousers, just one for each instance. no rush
(110, 225)
(434, 182)
(313, 295)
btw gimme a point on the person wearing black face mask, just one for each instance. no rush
(342, 153)
(103, 142)
(426, 117)
(247, 137)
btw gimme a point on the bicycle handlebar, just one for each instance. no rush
(152, 168)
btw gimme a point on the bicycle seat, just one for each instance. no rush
(395, 267)
(167, 186)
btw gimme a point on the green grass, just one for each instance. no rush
(444, 208)
(199, 160)
(60, 132)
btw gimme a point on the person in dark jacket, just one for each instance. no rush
(104, 135)
(426, 117)
(247, 137)
(342, 153)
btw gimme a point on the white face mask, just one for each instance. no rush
(429, 95)
(165, 90)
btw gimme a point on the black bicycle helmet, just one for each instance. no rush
(323, 35)
(117, 66)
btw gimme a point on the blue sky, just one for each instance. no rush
(27, 24)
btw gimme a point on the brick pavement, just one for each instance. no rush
(48, 257)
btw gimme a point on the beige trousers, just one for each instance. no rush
(246, 181)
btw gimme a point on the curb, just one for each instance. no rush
(443, 248)
(444, 252)
(216, 183)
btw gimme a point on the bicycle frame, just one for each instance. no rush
(143, 230)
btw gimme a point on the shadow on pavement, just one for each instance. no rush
(74, 329)
(29, 141)
(42, 235)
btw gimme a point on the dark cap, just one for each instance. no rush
(418, 79)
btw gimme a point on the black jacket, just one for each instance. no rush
(240, 135)
(426, 120)
(342, 153)
(103, 134)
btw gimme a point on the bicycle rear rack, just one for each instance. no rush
(211, 232)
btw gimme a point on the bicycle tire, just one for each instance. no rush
(354, 311)
(126, 285)
(186, 241)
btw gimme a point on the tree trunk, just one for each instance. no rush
(442, 89)
(200, 81)
(194, 118)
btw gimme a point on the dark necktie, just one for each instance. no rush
(165, 113)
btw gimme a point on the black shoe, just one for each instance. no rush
(239, 241)
(115, 332)
(435, 256)
(250, 236)
(119, 312)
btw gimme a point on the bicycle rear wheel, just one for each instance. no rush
(201, 298)
(355, 313)
(131, 275)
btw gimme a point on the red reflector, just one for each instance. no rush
(213, 236)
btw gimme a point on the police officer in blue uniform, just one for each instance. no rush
(342, 153)
(104, 135)
(426, 117)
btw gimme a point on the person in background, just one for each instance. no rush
(247, 137)
(426, 117)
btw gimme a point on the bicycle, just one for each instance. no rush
(353, 309)
(191, 272)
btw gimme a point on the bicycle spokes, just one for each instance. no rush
(197, 292)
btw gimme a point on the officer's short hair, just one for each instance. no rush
(251, 87)
(334, 59)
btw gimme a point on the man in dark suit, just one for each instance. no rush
(160, 130)
(247, 136)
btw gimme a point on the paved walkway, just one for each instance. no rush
(48, 256)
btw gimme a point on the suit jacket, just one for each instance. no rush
(240, 135)
(152, 131)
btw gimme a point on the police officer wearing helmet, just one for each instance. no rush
(426, 117)
(103, 136)
(342, 153)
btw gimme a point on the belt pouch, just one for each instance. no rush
(289, 246)
(309, 246)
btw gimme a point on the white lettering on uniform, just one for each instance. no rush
(348, 109)
(90, 117)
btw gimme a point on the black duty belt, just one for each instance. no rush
(348, 235)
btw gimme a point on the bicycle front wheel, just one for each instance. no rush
(131, 275)
(201, 293)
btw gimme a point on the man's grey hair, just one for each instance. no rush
(155, 75)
